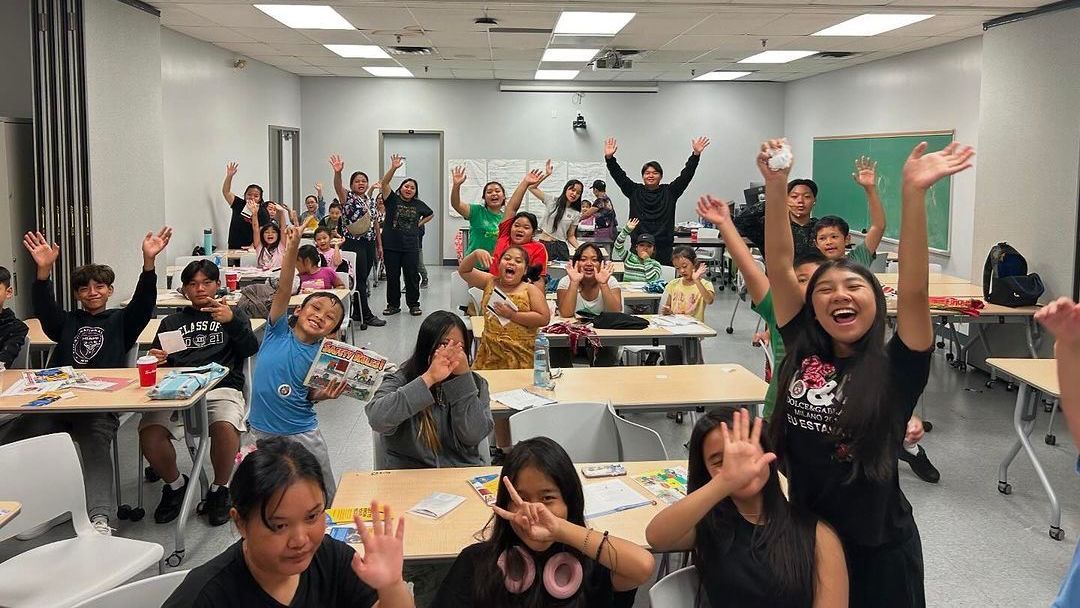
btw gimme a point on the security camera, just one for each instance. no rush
(579, 123)
(240, 63)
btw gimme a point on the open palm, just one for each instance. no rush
(384, 549)
(922, 170)
(458, 176)
(153, 243)
(44, 253)
(713, 210)
(865, 172)
(336, 163)
(610, 146)
(743, 457)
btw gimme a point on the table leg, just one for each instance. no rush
(1023, 423)
(194, 417)
(1029, 334)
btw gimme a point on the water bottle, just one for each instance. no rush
(208, 240)
(217, 260)
(541, 361)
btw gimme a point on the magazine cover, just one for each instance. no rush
(487, 486)
(669, 484)
(362, 370)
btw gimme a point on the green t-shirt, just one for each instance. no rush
(768, 314)
(483, 228)
(861, 255)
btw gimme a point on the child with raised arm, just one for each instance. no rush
(242, 210)
(268, 245)
(751, 546)
(845, 394)
(831, 233)
(485, 217)
(280, 403)
(93, 337)
(640, 267)
(518, 229)
(687, 294)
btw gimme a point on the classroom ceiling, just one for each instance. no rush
(672, 38)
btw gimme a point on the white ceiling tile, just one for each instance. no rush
(465, 64)
(733, 23)
(232, 15)
(336, 36)
(303, 50)
(249, 48)
(446, 20)
(520, 65)
(638, 75)
(800, 24)
(281, 61)
(518, 54)
(519, 41)
(599, 75)
(411, 61)
(377, 18)
(666, 56)
(453, 52)
(459, 39)
(643, 41)
(271, 35)
(348, 62)
(433, 73)
(516, 18)
(858, 44)
(663, 24)
(514, 75)
(214, 33)
(939, 24)
(175, 15)
(308, 71)
(401, 39)
(473, 74)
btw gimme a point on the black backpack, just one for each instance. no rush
(1006, 281)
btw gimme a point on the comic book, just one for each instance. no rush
(361, 369)
(487, 486)
(669, 485)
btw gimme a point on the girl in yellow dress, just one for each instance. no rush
(513, 309)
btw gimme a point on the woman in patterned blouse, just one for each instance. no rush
(355, 204)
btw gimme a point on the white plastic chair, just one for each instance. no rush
(678, 590)
(637, 442)
(249, 260)
(476, 298)
(592, 437)
(43, 473)
(151, 591)
(667, 273)
(181, 262)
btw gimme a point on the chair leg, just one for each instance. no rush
(731, 322)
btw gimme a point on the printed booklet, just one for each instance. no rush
(361, 369)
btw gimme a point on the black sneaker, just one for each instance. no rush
(921, 465)
(391, 310)
(415, 311)
(171, 500)
(424, 283)
(374, 321)
(218, 503)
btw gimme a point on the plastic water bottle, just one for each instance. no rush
(208, 240)
(541, 361)
(217, 260)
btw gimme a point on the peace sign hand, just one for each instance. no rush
(532, 519)
(219, 311)
(384, 549)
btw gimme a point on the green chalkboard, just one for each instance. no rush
(838, 194)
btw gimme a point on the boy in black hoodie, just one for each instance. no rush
(94, 337)
(213, 333)
(12, 330)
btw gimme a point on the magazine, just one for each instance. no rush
(362, 370)
(669, 484)
(487, 486)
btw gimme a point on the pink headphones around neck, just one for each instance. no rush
(562, 574)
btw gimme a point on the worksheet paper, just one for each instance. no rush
(172, 341)
(497, 295)
(521, 399)
(436, 505)
(612, 496)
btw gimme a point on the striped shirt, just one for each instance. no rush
(637, 269)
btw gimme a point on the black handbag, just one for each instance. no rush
(614, 320)
(1022, 290)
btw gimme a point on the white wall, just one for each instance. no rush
(16, 99)
(215, 113)
(123, 106)
(344, 115)
(927, 90)
(1029, 156)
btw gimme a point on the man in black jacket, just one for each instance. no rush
(95, 337)
(651, 202)
(212, 332)
(12, 330)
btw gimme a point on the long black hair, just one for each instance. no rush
(784, 544)
(276, 464)
(550, 459)
(867, 423)
(561, 202)
(428, 339)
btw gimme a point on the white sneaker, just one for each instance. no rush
(101, 525)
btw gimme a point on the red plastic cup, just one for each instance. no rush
(693, 235)
(232, 280)
(147, 371)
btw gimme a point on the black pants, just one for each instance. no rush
(398, 263)
(889, 577)
(365, 256)
(557, 251)
(662, 253)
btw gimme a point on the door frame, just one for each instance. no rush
(274, 147)
(441, 172)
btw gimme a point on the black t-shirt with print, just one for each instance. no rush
(401, 228)
(226, 582)
(865, 513)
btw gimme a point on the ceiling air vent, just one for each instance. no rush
(834, 54)
(520, 30)
(410, 50)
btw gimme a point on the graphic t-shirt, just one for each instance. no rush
(322, 278)
(569, 219)
(483, 228)
(279, 399)
(820, 461)
(207, 341)
(401, 230)
(685, 298)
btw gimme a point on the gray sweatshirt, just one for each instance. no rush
(460, 406)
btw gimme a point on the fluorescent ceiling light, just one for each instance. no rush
(556, 74)
(722, 75)
(870, 24)
(306, 17)
(592, 24)
(363, 51)
(389, 72)
(569, 54)
(777, 56)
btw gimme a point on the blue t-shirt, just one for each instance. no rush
(279, 399)
(1069, 594)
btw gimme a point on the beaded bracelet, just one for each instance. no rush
(601, 547)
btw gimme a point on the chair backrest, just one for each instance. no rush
(476, 298)
(667, 273)
(459, 293)
(43, 473)
(708, 233)
(249, 259)
(637, 442)
(678, 590)
(350, 257)
(592, 437)
(344, 278)
(307, 242)
(181, 262)
(151, 591)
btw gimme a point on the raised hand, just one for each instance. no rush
(716, 211)
(483, 258)
(699, 144)
(43, 253)
(603, 273)
(318, 185)
(458, 175)
(549, 168)
(1062, 318)
(632, 223)
(744, 460)
(610, 147)
(763, 161)
(396, 161)
(534, 177)
(921, 170)
(159, 354)
(292, 239)
(533, 519)
(273, 209)
(865, 172)
(699, 272)
(330, 391)
(573, 272)
(336, 164)
(219, 311)
(230, 169)
(384, 549)
(153, 244)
